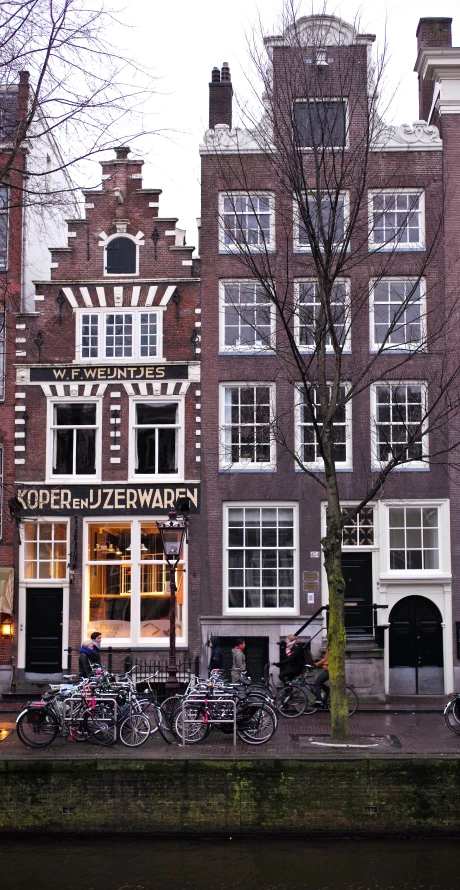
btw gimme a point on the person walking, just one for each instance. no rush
(86, 658)
(322, 678)
(239, 661)
(216, 661)
(293, 663)
(96, 637)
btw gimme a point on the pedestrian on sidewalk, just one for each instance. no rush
(87, 657)
(216, 661)
(239, 661)
(96, 637)
(322, 678)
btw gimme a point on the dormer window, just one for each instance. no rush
(121, 256)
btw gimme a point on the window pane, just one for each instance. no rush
(85, 461)
(75, 414)
(320, 123)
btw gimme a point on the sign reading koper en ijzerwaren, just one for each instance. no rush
(106, 499)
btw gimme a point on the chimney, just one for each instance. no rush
(23, 96)
(220, 97)
(430, 33)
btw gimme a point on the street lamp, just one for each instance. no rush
(173, 533)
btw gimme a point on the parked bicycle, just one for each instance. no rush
(452, 713)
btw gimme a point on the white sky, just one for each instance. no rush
(183, 40)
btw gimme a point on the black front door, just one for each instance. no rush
(256, 653)
(44, 630)
(357, 573)
(416, 637)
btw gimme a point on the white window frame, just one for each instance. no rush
(137, 241)
(2, 352)
(251, 349)
(244, 246)
(419, 465)
(294, 610)
(5, 212)
(392, 245)
(325, 100)
(136, 639)
(305, 248)
(444, 569)
(136, 312)
(160, 477)
(45, 582)
(408, 347)
(245, 465)
(303, 347)
(347, 464)
(72, 400)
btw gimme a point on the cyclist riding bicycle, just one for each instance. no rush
(322, 678)
(293, 663)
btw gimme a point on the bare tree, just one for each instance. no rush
(344, 216)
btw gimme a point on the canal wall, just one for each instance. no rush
(230, 798)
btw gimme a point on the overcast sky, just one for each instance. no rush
(183, 40)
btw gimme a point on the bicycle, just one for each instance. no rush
(452, 713)
(72, 712)
(313, 707)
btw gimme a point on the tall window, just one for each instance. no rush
(2, 350)
(247, 220)
(397, 220)
(397, 313)
(414, 538)
(260, 563)
(3, 227)
(128, 596)
(45, 550)
(121, 256)
(1, 493)
(156, 438)
(311, 325)
(323, 222)
(399, 414)
(246, 436)
(247, 318)
(308, 446)
(319, 123)
(121, 334)
(74, 431)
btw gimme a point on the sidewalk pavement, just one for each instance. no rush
(375, 734)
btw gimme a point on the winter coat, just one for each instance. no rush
(217, 656)
(96, 654)
(85, 660)
(291, 665)
(238, 664)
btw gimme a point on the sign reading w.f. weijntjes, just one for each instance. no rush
(96, 373)
(105, 500)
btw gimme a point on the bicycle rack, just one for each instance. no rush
(200, 701)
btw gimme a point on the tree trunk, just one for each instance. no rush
(332, 547)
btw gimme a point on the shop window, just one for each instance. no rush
(260, 557)
(320, 123)
(157, 449)
(129, 596)
(45, 551)
(74, 431)
(121, 256)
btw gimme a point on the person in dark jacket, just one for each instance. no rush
(96, 637)
(86, 657)
(217, 657)
(293, 662)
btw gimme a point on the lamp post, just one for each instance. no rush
(173, 533)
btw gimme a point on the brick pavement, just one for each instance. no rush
(402, 735)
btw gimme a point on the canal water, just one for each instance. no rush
(144, 864)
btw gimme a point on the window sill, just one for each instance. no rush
(319, 468)
(245, 248)
(250, 469)
(256, 351)
(400, 248)
(404, 468)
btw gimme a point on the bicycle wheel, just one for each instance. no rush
(162, 723)
(257, 725)
(134, 730)
(255, 698)
(100, 727)
(37, 727)
(452, 716)
(169, 706)
(291, 701)
(352, 699)
(194, 731)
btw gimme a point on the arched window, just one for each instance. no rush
(121, 256)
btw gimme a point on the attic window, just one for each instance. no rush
(121, 256)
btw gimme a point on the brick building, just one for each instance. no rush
(262, 517)
(22, 216)
(109, 381)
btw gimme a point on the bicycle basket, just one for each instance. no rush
(36, 713)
